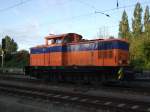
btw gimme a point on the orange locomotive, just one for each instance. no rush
(68, 57)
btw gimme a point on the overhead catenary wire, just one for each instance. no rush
(105, 12)
(92, 13)
(79, 16)
(117, 4)
(87, 4)
(22, 2)
(14, 5)
(125, 6)
(113, 9)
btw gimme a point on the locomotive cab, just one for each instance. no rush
(62, 39)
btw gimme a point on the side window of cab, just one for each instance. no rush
(55, 41)
(58, 41)
(52, 41)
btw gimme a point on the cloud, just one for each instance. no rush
(26, 35)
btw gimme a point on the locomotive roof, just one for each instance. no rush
(81, 41)
(100, 40)
(52, 36)
(90, 41)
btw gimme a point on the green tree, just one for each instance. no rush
(140, 46)
(136, 21)
(136, 52)
(18, 59)
(147, 22)
(14, 46)
(10, 45)
(124, 29)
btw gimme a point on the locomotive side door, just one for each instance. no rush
(92, 54)
(64, 55)
(91, 58)
(46, 57)
(100, 53)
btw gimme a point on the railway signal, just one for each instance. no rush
(2, 64)
(3, 51)
(3, 44)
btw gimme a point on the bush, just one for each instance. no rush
(17, 60)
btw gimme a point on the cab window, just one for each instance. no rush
(52, 41)
(58, 41)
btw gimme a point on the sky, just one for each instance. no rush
(29, 21)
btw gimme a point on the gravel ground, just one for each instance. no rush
(18, 104)
(15, 104)
(96, 92)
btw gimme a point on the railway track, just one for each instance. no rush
(96, 102)
(133, 87)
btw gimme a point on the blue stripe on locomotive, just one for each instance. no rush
(83, 47)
